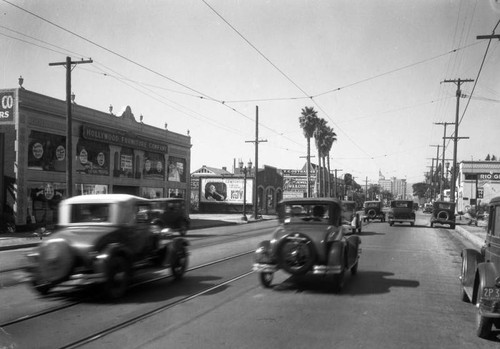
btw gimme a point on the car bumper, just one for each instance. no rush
(410, 220)
(442, 221)
(316, 270)
(489, 308)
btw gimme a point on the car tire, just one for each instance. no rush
(179, 263)
(372, 214)
(266, 279)
(483, 326)
(391, 224)
(118, 275)
(443, 215)
(452, 226)
(432, 224)
(296, 254)
(337, 282)
(354, 269)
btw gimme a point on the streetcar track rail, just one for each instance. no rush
(136, 284)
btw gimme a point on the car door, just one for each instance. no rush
(492, 252)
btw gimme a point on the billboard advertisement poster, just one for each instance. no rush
(226, 190)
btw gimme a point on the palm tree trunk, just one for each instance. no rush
(308, 192)
(329, 177)
(318, 176)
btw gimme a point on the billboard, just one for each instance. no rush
(225, 190)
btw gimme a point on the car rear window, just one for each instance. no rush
(88, 213)
(402, 204)
(371, 204)
(444, 206)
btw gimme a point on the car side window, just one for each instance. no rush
(495, 226)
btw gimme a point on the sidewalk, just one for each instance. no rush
(198, 221)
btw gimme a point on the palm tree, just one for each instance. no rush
(319, 136)
(330, 138)
(308, 118)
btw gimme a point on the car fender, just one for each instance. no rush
(470, 260)
(263, 252)
(175, 245)
(110, 251)
(485, 277)
(336, 254)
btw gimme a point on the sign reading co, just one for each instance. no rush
(6, 106)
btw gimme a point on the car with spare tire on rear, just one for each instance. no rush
(310, 239)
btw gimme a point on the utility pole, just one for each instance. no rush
(335, 188)
(455, 137)
(256, 141)
(441, 179)
(308, 190)
(366, 188)
(69, 124)
(437, 162)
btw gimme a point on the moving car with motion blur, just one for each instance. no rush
(401, 211)
(105, 239)
(170, 213)
(310, 239)
(480, 276)
(373, 210)
(443, 212)
(350, 218)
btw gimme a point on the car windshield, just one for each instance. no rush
(306, 212)
(94, 212)
(402, 204)
(443, 206)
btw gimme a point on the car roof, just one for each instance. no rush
(102, 198)
(495, 200)
(166, 199)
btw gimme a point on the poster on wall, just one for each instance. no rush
(46, 152)
(176, 169)
(127, 163)
(92, 158)
(154, 166)
(226, 190)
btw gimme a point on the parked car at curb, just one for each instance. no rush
(350, 218)
(373, 210)
(443, 212)
(104, 239)
(310, 239)
(401, 211)
(480, 276)
(170, 213)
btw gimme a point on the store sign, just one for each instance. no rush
(490, 176)
(7, 106)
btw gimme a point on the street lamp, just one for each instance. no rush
(245, 170)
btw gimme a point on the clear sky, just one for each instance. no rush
(374, 70)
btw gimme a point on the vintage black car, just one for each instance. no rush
(310, 239)
(401, 211)
(104, 239)
(373, 210)
(480, 276)
(170, 213)
(350, 218)
(443, 212)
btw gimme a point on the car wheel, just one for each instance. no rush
(354, 269)
(266, 279)
(337, 282)
(452, 226)
(483, 326)
(412, 224)
(41, 288)
(443, 215)
(391, 224)
(179, 264)
(432, 225)
(118, 276)
(296, 254)
(372, 214)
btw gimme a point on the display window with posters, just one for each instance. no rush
(88, 189)
(44, 199)
(46, 152)
(126, 163)
(154, 166)
(176, 169)
(151, 193)
(92, 158)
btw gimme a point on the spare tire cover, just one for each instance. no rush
(443, 215)
(55, 260)
(372, 213)
(296, 254)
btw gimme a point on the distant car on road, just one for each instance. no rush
(373, 210)
(443, 212)
(427, 208)
(104, 239)
(170, 213)
(480, 276)
(350, 218)
(401, 211)
(310, 239)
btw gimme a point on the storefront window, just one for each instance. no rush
(176, 169)
(87, 189)
(46, 152)
(151, 193)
